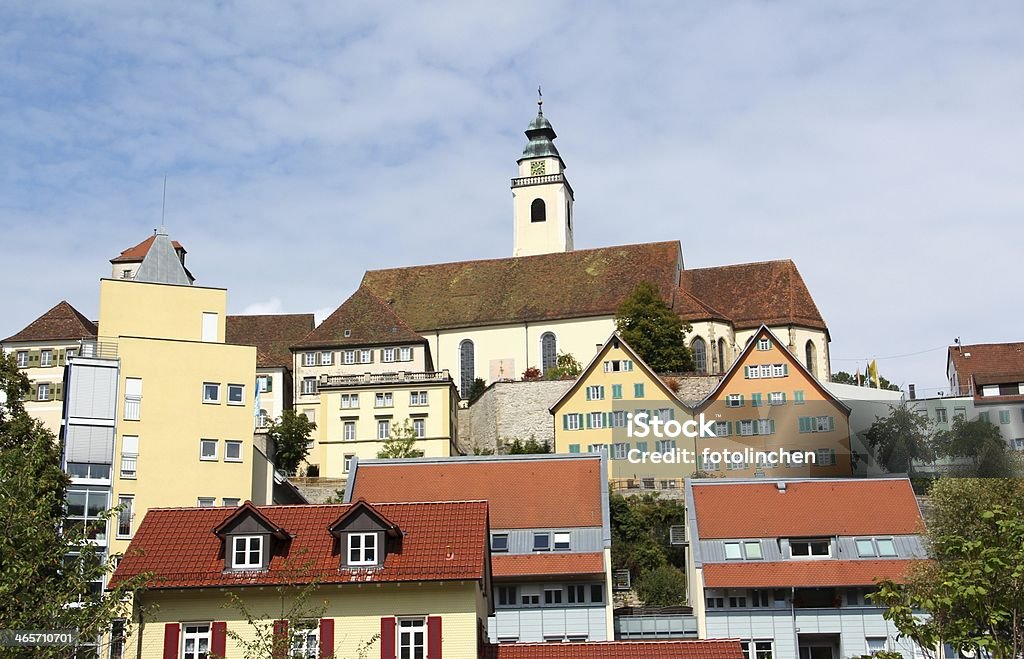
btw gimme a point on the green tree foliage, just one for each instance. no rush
(651, 328)
(529, 447)
(565, 367)
(43, 570)
(842, 377)
(664, 585)
(290, 434)
(973, 588)
(640, 532)
(900, 438)
(981, 443)
(401, 443)
(477, 390)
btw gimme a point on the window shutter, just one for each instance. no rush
(588, 421)
(831, 423)
(33, 357)
(270, 384)
(783, 396)
(588, 393)
(281, 645)
(785, 370)
(771, 426)
(755, 427)
(219, 639)
(171, 630)
(33, 391)
(803, 424)
(58, 357)
(433, 637)
(327, 638)
(606, 420)
(58, 391)
(741, 400)
(574, 448)
(387, 638)
(602, 392)
(565, 422)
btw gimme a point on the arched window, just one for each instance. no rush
(538, 213)
(809, 358)
(467, 368)
(721, 356)
(548, 352)
(700, 355)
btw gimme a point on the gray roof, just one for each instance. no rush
(162, 264)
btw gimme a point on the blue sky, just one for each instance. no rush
(879, 145)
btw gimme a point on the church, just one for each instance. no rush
(494, 319)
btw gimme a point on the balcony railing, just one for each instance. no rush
(400, 377)
(129, 464)
(524, 181)
(102, 348)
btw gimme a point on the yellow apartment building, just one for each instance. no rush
(769, 402)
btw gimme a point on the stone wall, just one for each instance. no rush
(508, 411)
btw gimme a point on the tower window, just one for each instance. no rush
(810, 357)
(721, 355)
(700, 355)
(538, 212)
(548, 352)
(467, 370)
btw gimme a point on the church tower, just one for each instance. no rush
(541, 195)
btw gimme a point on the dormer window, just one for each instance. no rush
(362, 548)
(872, 547)
(247, 552)
(810, 548)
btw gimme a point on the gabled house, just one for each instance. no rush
(787, 565)
(551, 555)
(403, 579)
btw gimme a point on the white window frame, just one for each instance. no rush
(42, 391)
(231, 502)
(345, 428)
(620, 450)
(349, 357)
(248, 550)
(746, 428)
(419, 426)
(206, 502)
(383, 429)
(350, 401)
(227, 453)
(406, 630)
(364, 549)
(734, 400)
(308, 386)
(45, 358)
(778, 370)
(418, 398)
(405, 354)
(561, 541)
(240, 388)
(387, 355)
(764, 426)
(305, 640)
(383, 399)
(365, 356)
(215, 400)
(197, 632)
(326, 357)
(810, 555)
(596, 420)
(776, 398)
(766, 371)
(22, 357)
(202, 445)
(309, 359)
(125, 507)
(764, 344)
(595, 392)
(573, 421)
(346, 464)
(127, 454)
(263, 383)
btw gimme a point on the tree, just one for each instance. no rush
(664, 585)
(899, 439)
(48, 567)
(972, 591)
(476, 390)
(651, 328)
(842, 377)
(290, 434)
(565, 366)
(982, 443)
(401, 443)
(529, 447)
(640, 532)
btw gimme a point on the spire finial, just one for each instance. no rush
(540, 102)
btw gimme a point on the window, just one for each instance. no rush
(764, 344)
(264, 383)
(247, 552)
(809, 357)
(552, 595)
(746, 428)
(810, 548)
(86, 506)
(777, 398)
(745, 549)
(755, 400)
(767, 370)
(538, 211)
(940, 415)
(499, 542)
(385, 399)
(541, 542)
(211, 392)
(709, 464)
(326, 358)
(305, 640)
(721, 355)
(825, 457)
(412, 643)
(798, 397)
(467, 367)
(562, 541)
(618, 419)
(576, 594)
(207, 449)
(595, 420)
(231, 502)
(664, 446)
(349, 401)
(700, 355)
(733, 551)
(548, 352)
(419, 428)
(723, 428)
(349, 356)
(766, 426)
(43, 391)
(752, 549)
(817, 424)
(125, 515)
(1004, 416)
(89, 471)
(596, 593)
(308, 386)
(752, 372)
(595, 392)
(309, 413)
(383, 428)
(206, 502)
(347, 464)
(418, 398)
(507, 595)
(875, 644)
(365, 356)
(117, 639)
(572, 421)
(638, 390)
(984, 416)
(405, 354)
(387, 355)
(132, 399)
(236, 394)
(960, 412)
(362, 548)
(349, 431)
(22, 359)
(195, 643)
(531, 598)
(865, 547)
(619, 451)
(45, 358)
(715, 602)
(232, 451)
(734, 400)
(309, 359)
(596, 448)
(757, 649)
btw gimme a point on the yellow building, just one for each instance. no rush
(596, 415)
(397, 580)
(42, 349)
(768, 402)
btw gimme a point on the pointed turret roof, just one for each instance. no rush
(542, 135)
(162, 265)
(363, 319)
(62, 322)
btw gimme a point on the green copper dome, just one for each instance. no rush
(541, 134)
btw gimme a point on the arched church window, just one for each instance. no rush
(538, 212)
(548, 352)
(700, 355)
(467, 368)
(721, 356)
(810, 357)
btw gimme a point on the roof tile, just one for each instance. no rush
(138, 252)
(62, 322)
(272, 334)
(535, 565)
(367, 319)
(804, 574)
(988, 363)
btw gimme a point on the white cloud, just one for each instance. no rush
(268, 307)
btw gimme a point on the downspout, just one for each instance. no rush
(792, 609)
(526, 343)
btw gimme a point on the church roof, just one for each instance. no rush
(362, 319)
(62, 322)
(162, 264)
(272, 334)
(578, 284)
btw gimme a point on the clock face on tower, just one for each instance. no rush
(537, 168)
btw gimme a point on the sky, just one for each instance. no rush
(879, 145)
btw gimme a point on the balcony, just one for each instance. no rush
(102, 348)
(524, 181)
(373, 379)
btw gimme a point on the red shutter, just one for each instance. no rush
(171, 631)
(280, 649)
(327, 638)
(434, 637)
(219, 639)
(387, 638)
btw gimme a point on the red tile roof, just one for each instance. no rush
(988, 363)
(807, 508)
(519, 490)
(369, 321)
(578, 284)
(272, 334)
(705, 649)
(441, 541)
(62, 322)
(138, 252)
(535, 565)
(804, 574)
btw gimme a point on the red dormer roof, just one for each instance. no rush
(361, 506)
(138, 252)
(248, 508)
(441, 541)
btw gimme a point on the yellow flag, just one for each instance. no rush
(873, 374)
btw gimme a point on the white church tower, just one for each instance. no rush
(541, 195)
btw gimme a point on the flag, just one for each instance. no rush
(873, 372)
(857, 376)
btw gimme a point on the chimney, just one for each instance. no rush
(599, 346)
(781, 485)
(913, 391)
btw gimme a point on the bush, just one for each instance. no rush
(662, 586)
(566, 367)
(477, 390)
(532, 373)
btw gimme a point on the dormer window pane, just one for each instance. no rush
(886, 547)
(541, 542)
(865, 547)
(733, 551)
(499, 542)
(562, 541)
(752, 549)
(362, 549)
(248, 552)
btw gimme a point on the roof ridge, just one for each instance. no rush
(308, 506)
(269, 315)
(744, 264)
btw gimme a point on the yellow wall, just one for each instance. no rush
(131, 308)
(787, 433)
(357, 610)
(337, 365)
(48, 412)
